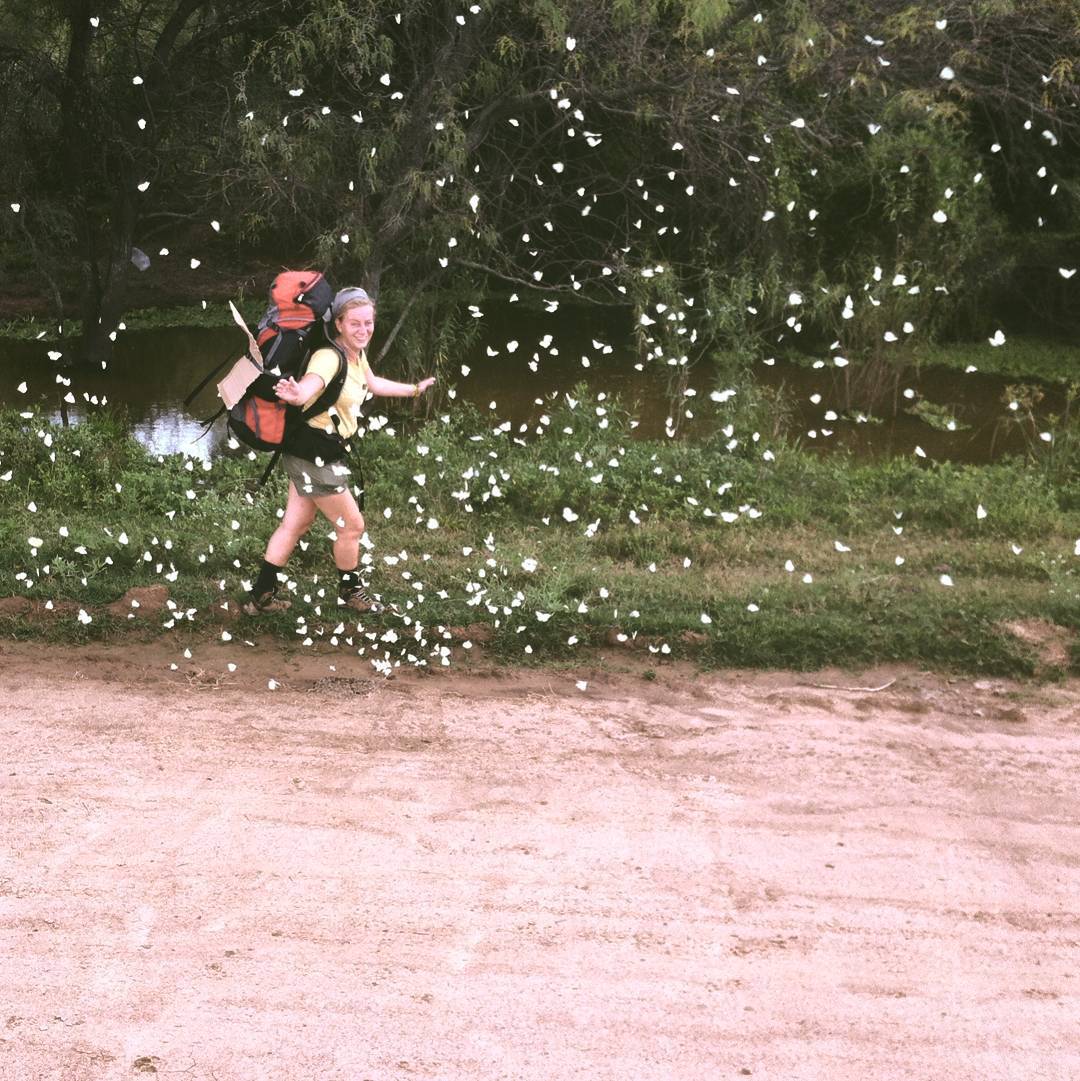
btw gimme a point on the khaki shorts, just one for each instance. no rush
(315, 481)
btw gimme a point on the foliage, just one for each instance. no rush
(695, 161)
(939, 417)
(1022, 357)
(106, 113)
(475, 534)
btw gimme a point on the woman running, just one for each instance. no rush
(318, 477)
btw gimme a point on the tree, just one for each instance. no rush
(701, 162)
(657, 153)
(525, 145)
(109, 106)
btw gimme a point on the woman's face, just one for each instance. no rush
(356, 327)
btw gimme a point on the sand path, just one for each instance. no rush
(492, 875)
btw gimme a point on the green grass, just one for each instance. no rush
(110, 517)
(1021, 357)
(208, 314)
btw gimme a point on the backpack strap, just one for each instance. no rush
(268, 470)
(210, 375)
(332, 389)
(209, 422)
(268, 360)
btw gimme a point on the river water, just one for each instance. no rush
(154, 370)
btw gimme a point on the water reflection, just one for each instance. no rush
(985, 429)
(510, 377)
(148, 378)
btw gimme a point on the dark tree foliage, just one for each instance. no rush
(745, 173)
(108, 110)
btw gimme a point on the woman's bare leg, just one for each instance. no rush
(299, 514)
(342, 511)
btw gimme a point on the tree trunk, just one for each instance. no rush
(102, 307)
(373, 273)
(105, 286)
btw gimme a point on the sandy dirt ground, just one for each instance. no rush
(490, 874)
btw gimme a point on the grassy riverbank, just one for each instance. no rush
(207, 313)
(547, 544)
(1022, 358)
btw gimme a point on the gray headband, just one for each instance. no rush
(346, 296)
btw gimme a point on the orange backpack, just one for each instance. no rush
(289, 331)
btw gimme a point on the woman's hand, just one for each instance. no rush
(424, 384)
(290, 391)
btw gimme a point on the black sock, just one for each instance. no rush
(350, 583)
(267, 580)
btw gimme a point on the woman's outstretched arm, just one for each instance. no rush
(389, 388)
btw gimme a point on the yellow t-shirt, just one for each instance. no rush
(324, 363)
